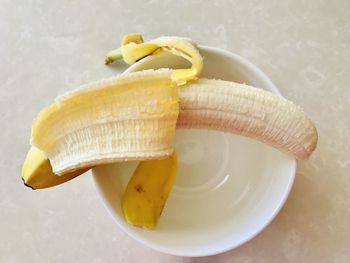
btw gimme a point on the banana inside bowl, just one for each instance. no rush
(228, 187)
(136, 116)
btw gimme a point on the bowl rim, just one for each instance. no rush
(176, 252)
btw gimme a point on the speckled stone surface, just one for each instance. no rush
(48, 47)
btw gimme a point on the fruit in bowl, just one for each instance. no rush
(134, 116)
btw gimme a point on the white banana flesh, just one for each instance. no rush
(129, 117)
(248, 111)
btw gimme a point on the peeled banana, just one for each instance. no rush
(121, 119)
(147, 191)
(133, 116)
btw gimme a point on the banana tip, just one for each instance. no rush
(27, 184)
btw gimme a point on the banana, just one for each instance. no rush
(37, 171)
(128, 117)
(148, 190)
(133, 117)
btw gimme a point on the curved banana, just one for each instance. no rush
(133, 117)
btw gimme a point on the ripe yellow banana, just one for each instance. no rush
(147, 191)
(133, 117)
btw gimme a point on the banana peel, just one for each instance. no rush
(133, 49)
(37, 171)
(148, 190)
(132, 38)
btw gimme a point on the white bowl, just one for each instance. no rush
(228, 187)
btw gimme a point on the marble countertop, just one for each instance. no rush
(48, 47)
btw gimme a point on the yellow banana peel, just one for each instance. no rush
(37, 171)
(133, 49)
(147, 191)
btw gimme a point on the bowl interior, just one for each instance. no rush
(228, 187)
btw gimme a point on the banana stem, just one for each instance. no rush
(113, 55)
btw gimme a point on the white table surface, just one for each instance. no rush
(48, 47)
